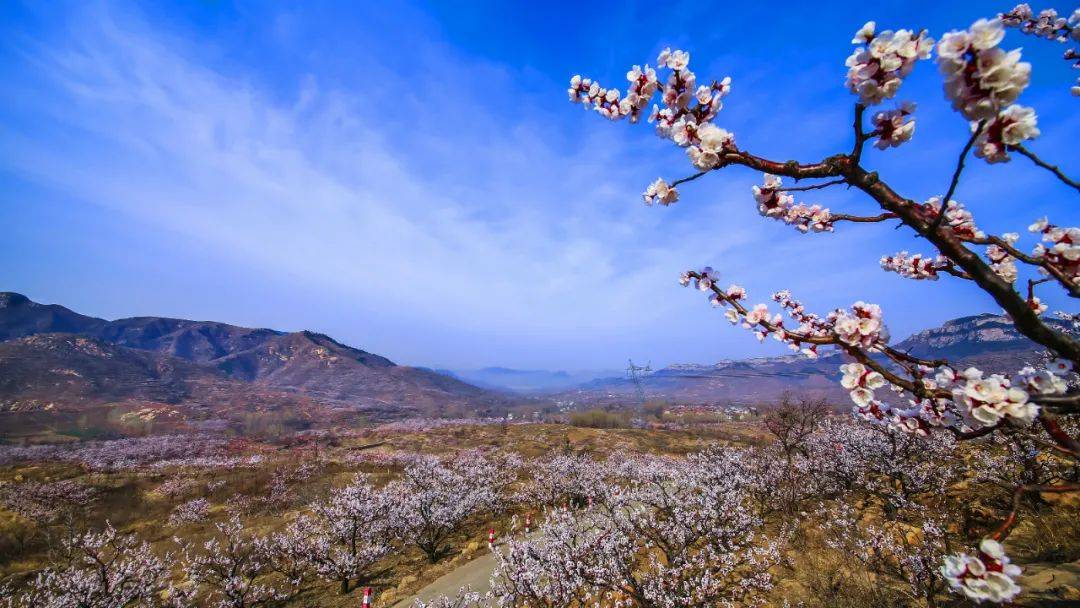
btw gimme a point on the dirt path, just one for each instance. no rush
(475, 574)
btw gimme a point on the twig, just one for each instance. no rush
(860, 136)
(956, 176)
(1045, 165)
(865, 219)
(814, 187)
(1065, 280)
(1007, 525)
(1031, 286)
(688, 179)
(1063, 439)
(1062, 404)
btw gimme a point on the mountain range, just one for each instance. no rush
(54, 360)
(63, 373)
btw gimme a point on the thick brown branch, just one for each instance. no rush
(952, 270)
(1024, 318)
(911, 214)
(966, 435)
(1045, 165)
(830, 167)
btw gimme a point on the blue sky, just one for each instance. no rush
(410, 178)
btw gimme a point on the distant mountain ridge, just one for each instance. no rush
(987, 341)
(526, 381)
(53, 357)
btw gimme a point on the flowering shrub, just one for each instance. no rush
(190, 511)
(674, 533)
(350, 532)
(48, 502)
(234, 569)
(433, 500)
(911, 556)
(158, 451)
(465, 598)
(103, 568)
(563, 479)
(983, 81)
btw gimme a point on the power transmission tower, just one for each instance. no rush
(637, 373)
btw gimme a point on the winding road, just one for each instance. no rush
(475, 574)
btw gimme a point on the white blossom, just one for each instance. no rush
(660, 192)
(986, 576)
(882, 61)
(980, 78)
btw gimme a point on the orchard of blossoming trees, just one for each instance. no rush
(724, 524)
(983, 81)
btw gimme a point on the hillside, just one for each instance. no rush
(54, 359)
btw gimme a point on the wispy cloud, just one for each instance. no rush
(440, 195)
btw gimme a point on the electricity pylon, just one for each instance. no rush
(636, 373)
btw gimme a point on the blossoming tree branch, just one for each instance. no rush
(983, 82)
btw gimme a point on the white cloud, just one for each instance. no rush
(482, 223)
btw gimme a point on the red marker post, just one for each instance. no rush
(491, 539)
(528, 522)
(367, 598)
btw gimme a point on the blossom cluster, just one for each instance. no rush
(980, 400)
(882, 60)
(1047, 24)
(894, 127)
(194, 510)
(981, 78)
(861, 382)
(1001, 261)
(661, 193)
(988, 575)
(914, 266)
(607, 102)
(862, 325)
(775, 203)
(987, 399)
(688, 109)
(957, 218)
(1060, 247)
(1014, 125)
